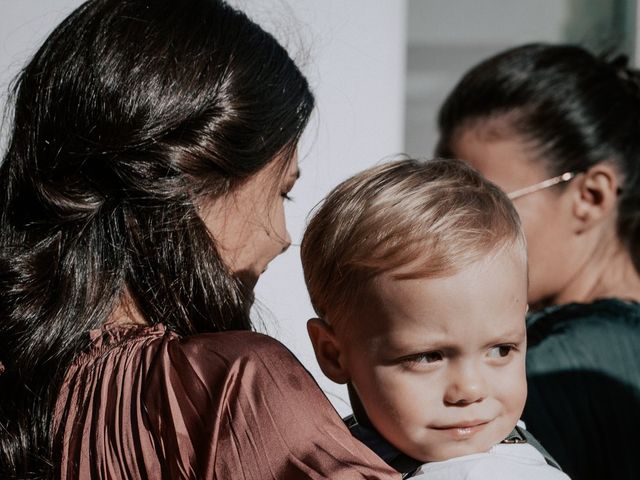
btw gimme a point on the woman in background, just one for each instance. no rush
(153, 146)
(558, 130)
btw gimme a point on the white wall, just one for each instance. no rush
(636, 42)
(356, 63)
(23, 27)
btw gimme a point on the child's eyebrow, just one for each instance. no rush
(512, 335)
(414, 346)
(436, 341)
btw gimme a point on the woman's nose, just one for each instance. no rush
(286, 241)
(466, 384)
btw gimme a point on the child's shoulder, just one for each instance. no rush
(502, 462)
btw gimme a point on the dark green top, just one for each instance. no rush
(583, 367)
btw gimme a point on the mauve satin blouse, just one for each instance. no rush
(144, 403)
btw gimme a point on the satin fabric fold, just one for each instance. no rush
(144, 403)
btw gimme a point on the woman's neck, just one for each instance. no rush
(126, 313)
(608, 272)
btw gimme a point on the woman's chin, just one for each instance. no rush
(248, 279)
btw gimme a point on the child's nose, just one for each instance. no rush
(466, 384)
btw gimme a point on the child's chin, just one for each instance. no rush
(451, 450)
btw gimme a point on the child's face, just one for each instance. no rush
(439, 364)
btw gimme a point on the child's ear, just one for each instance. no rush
(327, 349)
(596, 195)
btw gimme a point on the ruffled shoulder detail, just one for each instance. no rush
(147, 403)
(115, 333)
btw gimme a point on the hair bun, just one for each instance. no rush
(619, 62)
(631, 77)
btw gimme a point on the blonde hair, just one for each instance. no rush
(416, 219)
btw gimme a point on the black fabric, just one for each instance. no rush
(520, 435)
(391, 455)
(583, 368)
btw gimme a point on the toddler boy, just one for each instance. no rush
(418, 273)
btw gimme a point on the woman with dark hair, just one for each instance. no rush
(558, 129)
(153, 145)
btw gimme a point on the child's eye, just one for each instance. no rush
(424, 358)
(501, 351)
(286, 196)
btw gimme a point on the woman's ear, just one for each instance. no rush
(595, 200)
(328, 350)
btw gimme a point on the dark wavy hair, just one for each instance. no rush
(575, 108)
(130, 113)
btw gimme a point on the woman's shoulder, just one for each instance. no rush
(167, 369)
(611, 314)
(159, 340)
(602, 335)
(228, 346)
(219, 404)
(167, 361)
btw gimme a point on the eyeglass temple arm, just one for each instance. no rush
(565, 177)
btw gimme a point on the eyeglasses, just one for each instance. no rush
(565, 177)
